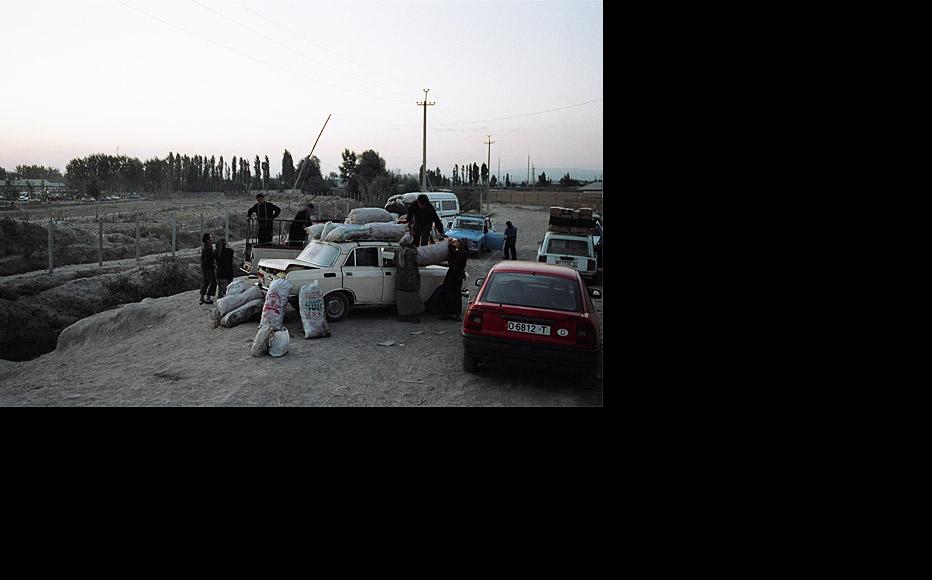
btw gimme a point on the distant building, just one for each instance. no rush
(38, 185)
(595, 186)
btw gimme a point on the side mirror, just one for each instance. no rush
(595, 293)
(479, 281)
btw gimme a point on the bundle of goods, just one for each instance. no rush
(313, 316)
(387, 232)
(231, 302)
(368, 215)
(433, 254)
(348, 232)
(571, 221)
(245, 312)
(315, 230)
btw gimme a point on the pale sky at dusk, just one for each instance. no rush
(244, 77)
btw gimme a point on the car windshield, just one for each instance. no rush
(320, 255)
(568, 247)
(533, 290)
(468, 225)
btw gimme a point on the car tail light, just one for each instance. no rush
(542, 259)
(585, 333)
(592, 265)
(473, 320)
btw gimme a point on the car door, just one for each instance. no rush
(363, 275)
(389, 272)
(493, 240)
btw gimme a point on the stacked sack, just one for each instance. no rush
(272, 336)
(368, 215)
(241, 303)
(313, 316)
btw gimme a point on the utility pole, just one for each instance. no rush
(529, 170)
(488, 166)
(425, 104)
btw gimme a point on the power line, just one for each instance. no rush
(319, 46)
(273, 40)
(249, 56)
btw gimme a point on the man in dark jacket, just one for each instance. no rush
(224, 258)
(265, 212)
(207, 269)
(296, 234)
(422, 214)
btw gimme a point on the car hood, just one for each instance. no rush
(282, 265)
(464, 234)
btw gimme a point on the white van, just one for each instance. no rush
(445, 202)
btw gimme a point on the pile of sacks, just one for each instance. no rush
(273, 337)
(331, 232)
(241, 303)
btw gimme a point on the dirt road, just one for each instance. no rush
(163, 352)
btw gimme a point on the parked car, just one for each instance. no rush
(349, 273)
(572, 250)
(529, 313)
(478, 231)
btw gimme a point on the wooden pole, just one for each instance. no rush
(100, 243)
(173, 234)
(137, 237)
(51, 261)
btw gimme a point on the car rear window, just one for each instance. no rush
(535, 291)
(568, 247)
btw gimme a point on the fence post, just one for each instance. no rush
(51, 262)
(173, 234)
(137, 237)
(227, 225)
(100, 243)
(202, 228)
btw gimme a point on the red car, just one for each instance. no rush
(529, 313)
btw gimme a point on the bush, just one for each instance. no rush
(170, 277)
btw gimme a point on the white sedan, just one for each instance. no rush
(349, 274)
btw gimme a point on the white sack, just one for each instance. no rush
(273, 311)
(315, 230)
(387, 232)
(260, 344)
(348, 232)
(236, 286)
(313, 316)
(327, 227)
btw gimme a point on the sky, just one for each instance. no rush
(248, 77)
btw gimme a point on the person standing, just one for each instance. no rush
(224, 258)
(511, 237)
(265, 212)
(208, 270)
(297, 236)
(451, 291)
(408, 282)
(423, 215)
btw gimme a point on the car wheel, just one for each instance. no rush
(470, 363)
(337, 306)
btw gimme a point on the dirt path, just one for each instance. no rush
(163, 352)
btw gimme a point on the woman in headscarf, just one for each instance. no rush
(408, 282)
(224, 257)
(451, 297)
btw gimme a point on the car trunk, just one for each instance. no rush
(534, 326)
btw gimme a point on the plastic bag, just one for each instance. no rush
(273, 311)
(313, 316)
(278, 342)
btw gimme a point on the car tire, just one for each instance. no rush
(470, 363)
(336, 306)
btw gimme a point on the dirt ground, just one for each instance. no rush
(164, 352)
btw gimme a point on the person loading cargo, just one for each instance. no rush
(422, 214)
(297, 235)
(265, 212)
